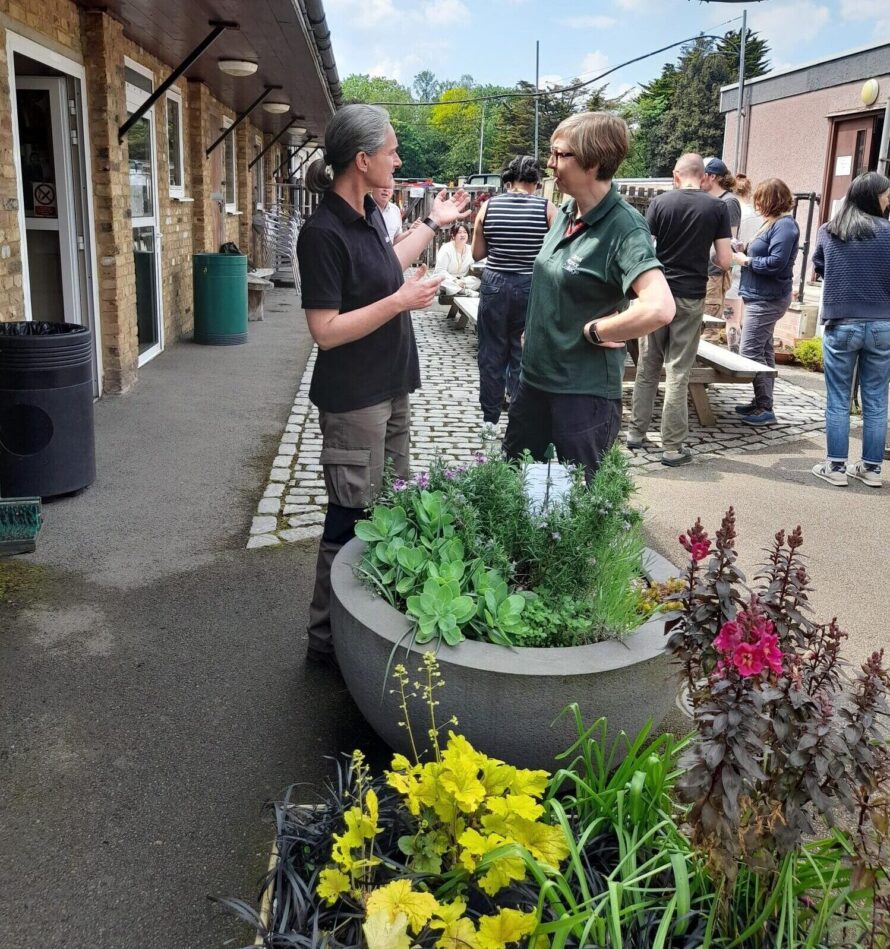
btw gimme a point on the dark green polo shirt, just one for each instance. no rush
(577, 279)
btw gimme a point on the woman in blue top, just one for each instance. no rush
(853, 256)
(767, 268)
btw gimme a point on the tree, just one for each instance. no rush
(756, 52)
(426, 86)
(360, 87)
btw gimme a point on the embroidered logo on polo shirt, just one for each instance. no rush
(572, 264)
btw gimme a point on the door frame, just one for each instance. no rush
(137, 99)
(834, 121)
(16, 43)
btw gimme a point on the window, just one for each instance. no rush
(229, 171)
(174, 144)
(259, 175)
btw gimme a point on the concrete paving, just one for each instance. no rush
(154, 693)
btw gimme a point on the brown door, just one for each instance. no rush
(217, 188)
(852, 142)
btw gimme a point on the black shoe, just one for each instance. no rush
(323, 657)
(749, 409)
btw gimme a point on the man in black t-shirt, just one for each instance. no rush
(685, 223)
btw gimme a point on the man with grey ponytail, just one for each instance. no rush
(358, 307)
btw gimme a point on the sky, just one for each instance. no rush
(494, 40)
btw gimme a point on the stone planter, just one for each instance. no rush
(505, 699)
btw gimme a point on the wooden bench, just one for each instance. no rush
(714, 364)
(463, 310)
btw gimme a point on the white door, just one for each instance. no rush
(144, 215)
(54, 291)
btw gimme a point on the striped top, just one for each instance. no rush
(514, 228)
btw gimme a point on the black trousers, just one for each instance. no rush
(581, 427)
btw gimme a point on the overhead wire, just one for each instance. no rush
(559, 90)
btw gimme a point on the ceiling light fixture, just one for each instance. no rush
(238, 67)
(276, 108)
(297, 130)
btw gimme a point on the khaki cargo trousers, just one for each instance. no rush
(355, 448)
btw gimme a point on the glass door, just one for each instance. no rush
(144, 216)
(48, 194)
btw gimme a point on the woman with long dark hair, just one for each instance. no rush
(767, 264)
(358, 307)
(853, 257)
(509, 231)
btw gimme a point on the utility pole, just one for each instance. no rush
(537, 75)
(481, 135)
(738, 113)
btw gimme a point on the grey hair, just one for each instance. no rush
(355, 128)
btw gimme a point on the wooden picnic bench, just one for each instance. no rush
(714, 364)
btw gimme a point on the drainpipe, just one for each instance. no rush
(315, 16)
(884, 149)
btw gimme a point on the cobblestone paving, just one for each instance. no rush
(445, 420)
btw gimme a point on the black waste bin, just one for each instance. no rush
(47, 438)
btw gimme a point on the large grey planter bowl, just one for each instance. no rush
(505, 699)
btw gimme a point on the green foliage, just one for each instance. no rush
(808, 352)
(456, 537)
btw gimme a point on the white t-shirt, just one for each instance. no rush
(392, 217)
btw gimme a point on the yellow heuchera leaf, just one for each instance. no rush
(400, 763)
(358, 824)
(383, 933)
(533, 783)
(461, 781)
(331, 884)
(497, 776)
(459, 749)
(373, 808)
(472, 845)
(516, 805)
(398, 897)
(544, 842)
(510, 925)
(461, 934)
(499, 873)
(448, 913)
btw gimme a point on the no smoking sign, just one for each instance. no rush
(44, 199)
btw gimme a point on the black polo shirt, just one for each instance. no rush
(347, 262)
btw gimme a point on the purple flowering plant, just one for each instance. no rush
(786, 737)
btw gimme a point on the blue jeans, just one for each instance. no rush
(503, 300)
(845, 345)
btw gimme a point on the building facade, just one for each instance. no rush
(816, 126)
(99, 221)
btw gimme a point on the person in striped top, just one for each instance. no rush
(509, 231)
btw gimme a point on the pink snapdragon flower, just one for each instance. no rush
(696, 542)
(748, 659)
(729, 637)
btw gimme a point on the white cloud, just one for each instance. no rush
(445, 13)
(550, 80)
(387, 68)
(786, 26)
(593, 64)
(874, 11)
(588, 22)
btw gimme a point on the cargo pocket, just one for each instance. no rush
(347, 475)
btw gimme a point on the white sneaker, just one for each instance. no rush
(865, 475)
(835, 476)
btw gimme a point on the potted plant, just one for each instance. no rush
(533, 605)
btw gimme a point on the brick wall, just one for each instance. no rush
(12, 300)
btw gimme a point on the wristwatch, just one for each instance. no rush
(592, 336)
(431, 224)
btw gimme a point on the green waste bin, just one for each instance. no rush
(220, 291)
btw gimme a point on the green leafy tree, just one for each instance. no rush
(360, 87)
(426, 86)
(756, 52)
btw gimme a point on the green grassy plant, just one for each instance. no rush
(808, 352)
(456, 537)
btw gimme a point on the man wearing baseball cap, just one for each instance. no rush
(718, 183)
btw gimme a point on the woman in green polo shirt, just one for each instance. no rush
(598, 253)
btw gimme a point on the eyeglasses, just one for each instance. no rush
(556, 154)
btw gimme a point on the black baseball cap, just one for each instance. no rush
(715, 166)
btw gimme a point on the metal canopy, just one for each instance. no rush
(272, 33)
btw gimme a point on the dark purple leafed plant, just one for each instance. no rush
(786, 735)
